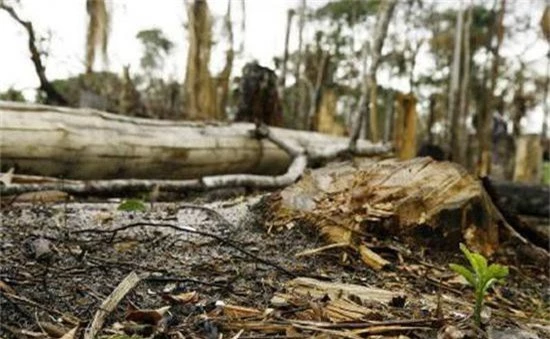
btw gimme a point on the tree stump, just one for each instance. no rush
(259, 100)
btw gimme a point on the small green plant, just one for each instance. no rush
(481, 277)
(131, 205)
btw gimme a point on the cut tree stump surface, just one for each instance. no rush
(422, 201)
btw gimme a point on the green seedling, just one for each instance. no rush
(132, 205)
(480, 277)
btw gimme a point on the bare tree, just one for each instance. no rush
(459, 153)
(367, 108)
(97, 35)
(223, 78)
(52, 95)
(545, 26)
(282, 79)
(299, 97)
(484, 128)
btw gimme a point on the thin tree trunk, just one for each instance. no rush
(453, 109)
(282, 79)
(223, 77)
(431, 118)
(299, 96)
(243, 26)
(389, 116)
(459, 153)
(381, 30)
(485, 126)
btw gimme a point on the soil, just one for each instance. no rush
(59, 262)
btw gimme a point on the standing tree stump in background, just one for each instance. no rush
(259, 100)
(405, 126)
(528, 167)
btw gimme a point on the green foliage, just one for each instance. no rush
(348, 11)
(155, 44)
(12, 95)
(132, 205)
(481, 277)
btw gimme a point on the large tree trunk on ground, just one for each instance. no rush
(526, 199)
(89, 144)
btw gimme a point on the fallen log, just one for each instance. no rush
(88, 144)
(525, 199)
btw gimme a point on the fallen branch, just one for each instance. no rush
(109, 304)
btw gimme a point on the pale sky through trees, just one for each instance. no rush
(63, 24)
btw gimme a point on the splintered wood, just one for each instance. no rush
(422, 201)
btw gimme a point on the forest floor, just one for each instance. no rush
(201, 276)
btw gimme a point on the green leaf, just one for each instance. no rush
(132, 205)
(497, 271)
(477, 261)
(466, 273)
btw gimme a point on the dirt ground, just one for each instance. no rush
(59, 262)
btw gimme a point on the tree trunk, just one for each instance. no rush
(528, 168)
(460, 153)
(222, 81)
(199, 93)
(90, 144)
(431, 118)
(453, 109)
(299, 96)
(282, 79)
(484, 130)
(389, 116)
(381, 30)
(98, 31)
(318, 95)
(405, 126)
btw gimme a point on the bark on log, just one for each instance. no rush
(89, 144)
